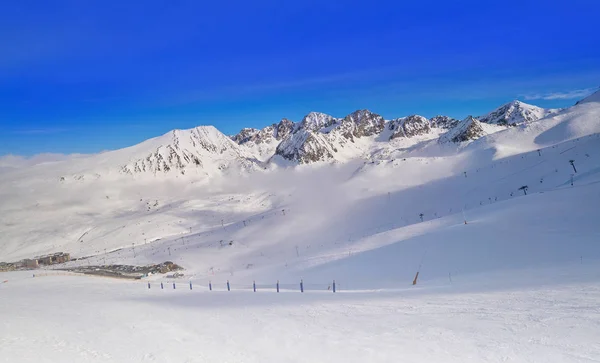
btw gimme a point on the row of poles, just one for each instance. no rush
(210, 286)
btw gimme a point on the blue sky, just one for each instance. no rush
(86, 76)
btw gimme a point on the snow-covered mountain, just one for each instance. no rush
(409, 126)
(266, 135)
(416, 125)
(361, 123)
(196, 183)
(407, 151)
(516, 112)
(364, 124)
(204, 148)
(305, 146)
(205, 152)
(316, 121)
(443, 122)
(594, 97)
(262, 143)
(468, 129)
(320, 137)
(201, 152)
(451, 214)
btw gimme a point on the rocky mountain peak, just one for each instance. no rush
(268, 134)
(409, 126)
(321, 137)
(284, 128)
(443, 122)
(468, 129)
(180, 150)
(414, 125)
(305, 146)
(245, 135)
(515, 112)
(315, 121)
(363, 123)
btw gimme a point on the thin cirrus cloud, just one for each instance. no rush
(567, 95)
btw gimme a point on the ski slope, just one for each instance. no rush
(317, 209)
(99, 320)
(519, 281)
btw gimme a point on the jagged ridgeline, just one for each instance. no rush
(362, 135)
(321, 137)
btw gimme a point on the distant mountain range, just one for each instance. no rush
(318, 137)
(322, 137)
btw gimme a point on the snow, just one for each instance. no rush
(409, 126)
(185, 150)
(113, 213)
(261, 144)
(316, 121)
(594, 97)
(516, 112)
(520, 281)
(100, 320)
(305, 147)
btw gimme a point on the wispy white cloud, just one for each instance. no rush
(566, 95)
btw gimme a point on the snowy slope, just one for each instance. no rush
(516, 112)
(594, 97)
(96, 202)
(120, 321)
(569, 124)
(114, 213)
(518, 282)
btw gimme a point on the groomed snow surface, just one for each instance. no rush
(519, 282)
(77, 319)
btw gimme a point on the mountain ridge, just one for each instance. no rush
(516, 112)
(318, 137)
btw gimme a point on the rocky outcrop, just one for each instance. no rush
(468, 129)
(409, 126)
(245, 135)
(415, 125)
(305, 147)
(319, 136)
(443, 122)
(270, 133)
(362, 123)
(284, 128)
(316, 121)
